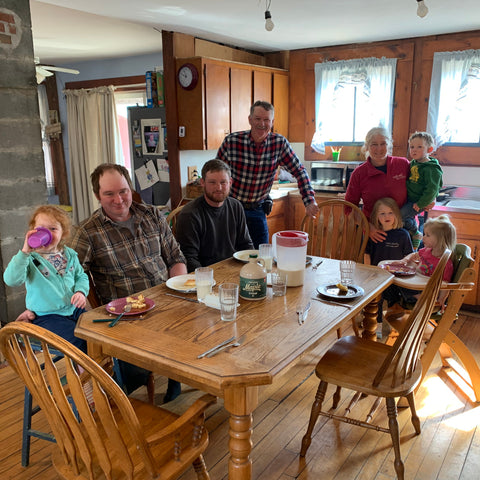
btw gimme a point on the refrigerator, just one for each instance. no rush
(148, 150)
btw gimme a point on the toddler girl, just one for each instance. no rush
(55, 281)
(397, 244)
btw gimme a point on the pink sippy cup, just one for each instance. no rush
(40, 238)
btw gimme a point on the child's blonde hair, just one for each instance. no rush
(390, 203)
(58, 214)
(426, 137)
(444, 230)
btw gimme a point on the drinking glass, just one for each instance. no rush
(228, 294)
(265, 251)
(347, 270)
(203, 282)
(279, 284)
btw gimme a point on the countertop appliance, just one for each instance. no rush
(329, 176)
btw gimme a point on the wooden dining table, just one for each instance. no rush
(168, 339)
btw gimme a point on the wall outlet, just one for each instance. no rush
(192, 173)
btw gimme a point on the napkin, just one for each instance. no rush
(213, 301)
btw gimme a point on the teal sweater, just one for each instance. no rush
(47, 291)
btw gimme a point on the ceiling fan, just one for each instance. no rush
(47, 70)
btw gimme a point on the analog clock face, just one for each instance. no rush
(188, 76)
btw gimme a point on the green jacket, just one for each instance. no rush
(424, 182)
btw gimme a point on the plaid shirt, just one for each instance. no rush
(254, 166)
(121, 263)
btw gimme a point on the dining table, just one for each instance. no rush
(169, 337)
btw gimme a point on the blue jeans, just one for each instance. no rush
(63, 327)
(257, 225)
(408, 217)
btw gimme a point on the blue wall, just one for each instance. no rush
(92, 70)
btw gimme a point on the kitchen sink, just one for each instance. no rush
(462, 203)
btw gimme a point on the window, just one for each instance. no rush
(352, 96)
(123, 100)
(455, 98)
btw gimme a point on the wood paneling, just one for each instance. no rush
(414, 67)
(280, 103)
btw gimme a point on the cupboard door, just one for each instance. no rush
(280, 103)
(240, 98)
(262, 86)
(217, 104)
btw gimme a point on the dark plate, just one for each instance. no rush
(332, 291)
(115, 307)
(397, 268)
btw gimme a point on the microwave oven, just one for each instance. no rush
(331, 176)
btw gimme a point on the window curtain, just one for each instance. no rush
(376, 79)
(44, 121)
(451, 72)
(92, 135)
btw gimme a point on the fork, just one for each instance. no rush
(126, 309)
(317, 265)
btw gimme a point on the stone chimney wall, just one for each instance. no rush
(22, 171)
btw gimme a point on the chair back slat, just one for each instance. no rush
(402, 360)
(340, 230)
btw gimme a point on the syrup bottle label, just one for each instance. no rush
(253, 288)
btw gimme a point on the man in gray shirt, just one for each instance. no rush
(212, 227)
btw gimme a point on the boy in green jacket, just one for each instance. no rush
(423, 184)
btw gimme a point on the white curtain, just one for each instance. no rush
(92, 128)
(44, 121)
(451, 73)
(375, 78)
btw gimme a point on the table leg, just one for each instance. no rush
(240, 402)
(370, 319)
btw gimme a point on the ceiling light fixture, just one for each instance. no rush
(268, 17)
(422, 9)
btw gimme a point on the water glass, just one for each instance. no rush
(347, 271)
(228, 295)
(279, 284)
(203, 282)
(265, 251)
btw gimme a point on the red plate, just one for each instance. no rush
(115, 307)
(398, 269)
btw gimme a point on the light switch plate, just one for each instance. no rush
(181, 132)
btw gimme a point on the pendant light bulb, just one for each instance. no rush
(422, 9)
(268, 21)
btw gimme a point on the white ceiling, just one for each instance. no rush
(78, 30)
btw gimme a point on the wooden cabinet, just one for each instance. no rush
(276, 221)
(220, 102)
(467, 225)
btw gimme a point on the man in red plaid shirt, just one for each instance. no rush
(254, 156)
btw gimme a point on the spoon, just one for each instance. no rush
(126, 309)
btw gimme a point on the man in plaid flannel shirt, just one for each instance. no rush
(254, 156)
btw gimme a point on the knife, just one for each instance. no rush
(183, 298)
(216, 346)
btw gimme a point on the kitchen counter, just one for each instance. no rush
(458, 199)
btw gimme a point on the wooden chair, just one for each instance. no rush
(453, 352)
(339, 231)
(115, 438)
(373, 368)
(172, 218)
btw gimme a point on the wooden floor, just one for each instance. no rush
(448, 447)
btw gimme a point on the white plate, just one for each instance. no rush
(332, 291)
(244, 255)
(178, 283)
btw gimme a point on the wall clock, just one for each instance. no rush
(188, 76)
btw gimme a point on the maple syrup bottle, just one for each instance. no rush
(253, 279)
